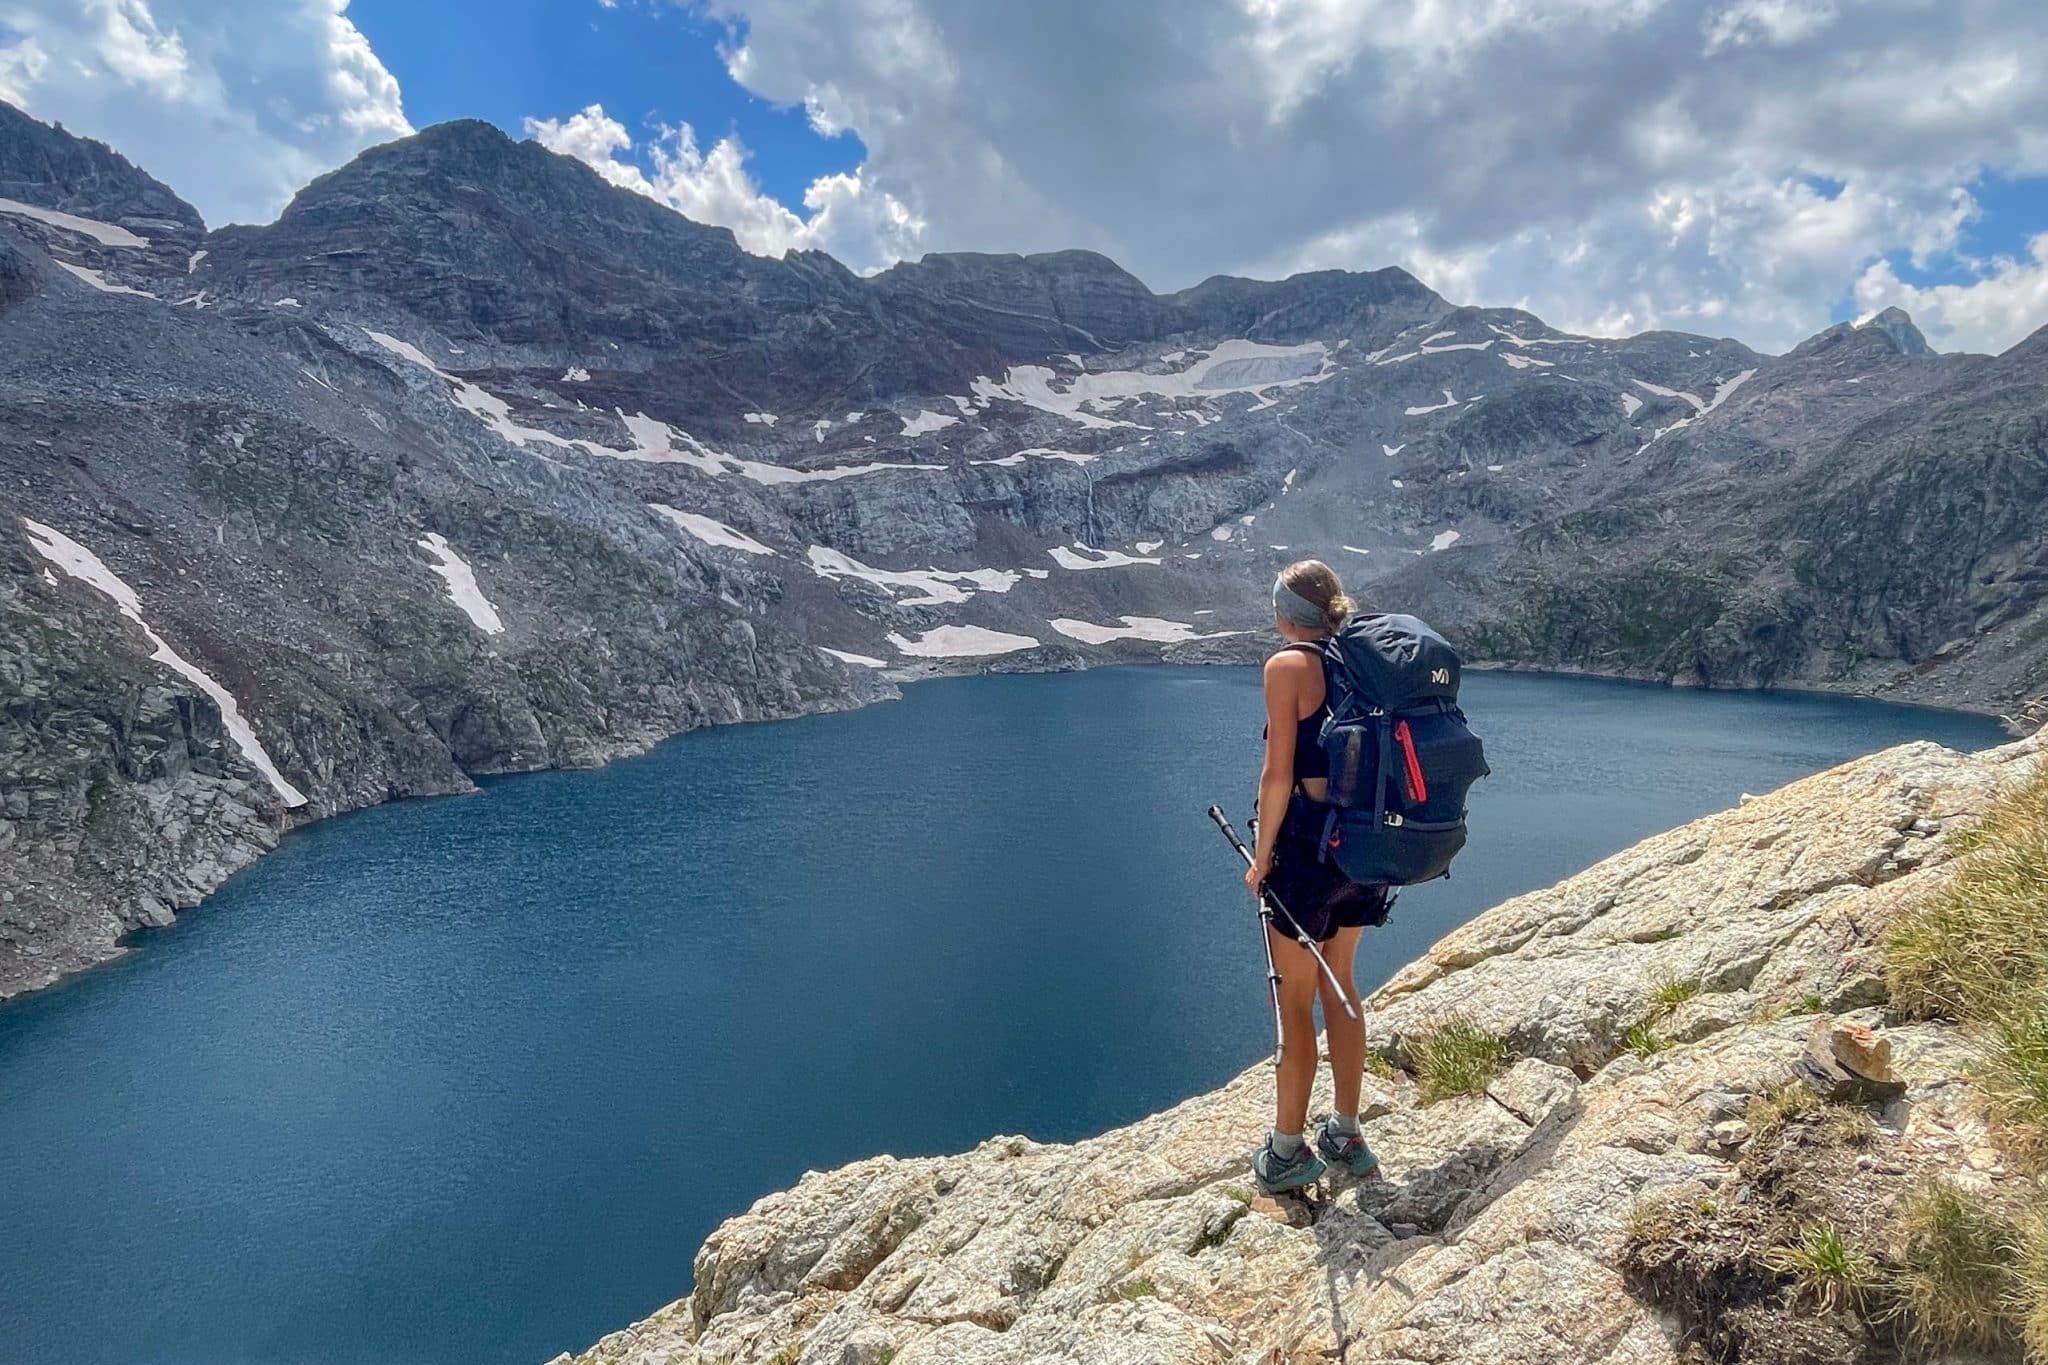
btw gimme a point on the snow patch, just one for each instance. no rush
(1392, 451)
(575, 374)
(106, 234)
(1222, 533)
(925, 423)
(712, 531)
(82, 564)
(845, 657)
(1287, 483)
(1233, 367)
(1724, 389)
(760, 419)
(1445, 540)
(961, 642)
(286, 303)
(1699, 405)
(1017, 457)
(654, 441)
(1450, 401)
(1525, 362)
(462, 586)
(1630, 405)
(1512, 339)
(1152, 628)
(192, 262)
(937, 587)
(1355, 550)
(1080, 558)
(99, 281)
(1146, 547)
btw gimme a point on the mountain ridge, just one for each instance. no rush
(686, 485)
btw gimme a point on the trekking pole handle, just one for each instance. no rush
(1216, 814)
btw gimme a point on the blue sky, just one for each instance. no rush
(648, 64)
(1745, 168)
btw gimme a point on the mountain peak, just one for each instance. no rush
(1892, 329)
(1897, 323)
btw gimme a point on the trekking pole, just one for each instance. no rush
(1268, 899)
(1265, 941)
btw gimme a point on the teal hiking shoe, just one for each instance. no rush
(1277, 1174)
(1345, 1149)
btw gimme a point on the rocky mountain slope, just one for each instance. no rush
(474, 463)
(1655, 1009)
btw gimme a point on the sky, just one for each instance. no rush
(1747, 168)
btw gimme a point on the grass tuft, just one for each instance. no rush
(1644, 1040)
(2030, 1285)
(1137, 1287)
(1954, 1285)
(1827, 1270)
(1667, 996)
(1457, 1057)
(1976, 951)
(1980, 944)
(1786, 1102)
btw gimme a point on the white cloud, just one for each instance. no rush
(862, 227)
(2007, 301)
(1734, 166)
(21, 66)
(234, 105)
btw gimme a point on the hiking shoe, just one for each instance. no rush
(1277, 1174)
(1345, 1149)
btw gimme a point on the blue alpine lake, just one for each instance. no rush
(469, 1079)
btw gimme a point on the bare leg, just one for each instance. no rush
(1298, 977)
(1347, 1035)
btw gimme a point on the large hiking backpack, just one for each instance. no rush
(1401, 755)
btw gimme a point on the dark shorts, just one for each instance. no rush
(1316, 893)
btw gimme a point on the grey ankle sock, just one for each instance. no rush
(1286, 1146)
(1347, 1124)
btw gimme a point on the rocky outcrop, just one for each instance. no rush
(1742, 942)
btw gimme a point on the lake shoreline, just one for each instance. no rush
(900, 677)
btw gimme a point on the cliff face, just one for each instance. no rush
(1502, 1226)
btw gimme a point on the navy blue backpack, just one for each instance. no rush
(1401, 755)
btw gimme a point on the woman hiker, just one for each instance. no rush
(1309, 606)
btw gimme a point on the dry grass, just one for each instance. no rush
(1977, 952)
(1456, 1057)
(1786, 1102)
(1954, 1284)
(1981, 943)
(2030, 1285)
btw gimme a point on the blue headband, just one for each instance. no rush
(1292, 606)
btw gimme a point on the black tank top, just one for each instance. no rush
(1309, 759)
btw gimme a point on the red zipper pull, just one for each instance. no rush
(1411, 765)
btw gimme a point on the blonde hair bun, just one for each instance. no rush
(1317, 582)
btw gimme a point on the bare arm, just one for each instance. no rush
(1286, 683)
